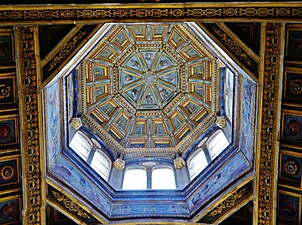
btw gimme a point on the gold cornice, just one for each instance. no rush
(262, 185)
(234, 47)
(239, 41)
(57, 48)
(65, 50)
(160, 223)
(67, 195)
(93, 13)
(152, 5)
(259, 113)
(238, 202)
(241, 202)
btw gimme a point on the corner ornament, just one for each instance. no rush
(221, 121)
(76, 123)
(179, 163)
(119, 164)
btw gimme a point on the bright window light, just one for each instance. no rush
(163, 178)
(101, 164)
(80, 145)
(217, 144)
(135, 179)
(197, 163)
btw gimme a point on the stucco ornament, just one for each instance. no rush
(119, 164)
(76, 123)
(179, 163)
(221, 121)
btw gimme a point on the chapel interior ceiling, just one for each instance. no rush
(289, 184)
(149, 86)
(157, 87)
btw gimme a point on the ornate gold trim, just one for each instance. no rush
(243, 45)
(64, 42)
(38, 14)
(30, 106)
(64, 200)
(239, 197)
(233, 46)
(66, 49)
(70, 205)
(265, 205)
(228, 211)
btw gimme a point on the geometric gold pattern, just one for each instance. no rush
(149, 85)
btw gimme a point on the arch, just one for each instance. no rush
(81, 144)
(163, 178)
(101, 164)
(217, 143)
(135, 179)
(197, 163)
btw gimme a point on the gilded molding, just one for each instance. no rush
(232, 45)
(179, 163)
(134, 11)
(29, 105)
(70, 205)
(76, 123)
(236, 198)
(268, 130)
(66, 50)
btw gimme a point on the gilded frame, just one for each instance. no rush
(289, 126)
(291, 54)
(18, 168)
(11, 94)
(292, 164)
(10, 58)
(13, 200)
(9, 130)
(288, 217)
(289, 95)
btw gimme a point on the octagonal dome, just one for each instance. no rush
(149, 96)
(149, 86)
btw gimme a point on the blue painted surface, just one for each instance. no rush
(222, 91)
(219, 180)
(247, 124)
(53, 121)
(75, 93)
(77, 181)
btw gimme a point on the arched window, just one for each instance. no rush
(229, 92)
(135, 179)
(81, 145)
(217, 143)
(163, 178)
(90, 151)
(207, 150)
(197, 162)
(101, 164)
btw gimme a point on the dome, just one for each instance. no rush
(148, 86)
(150, 103)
